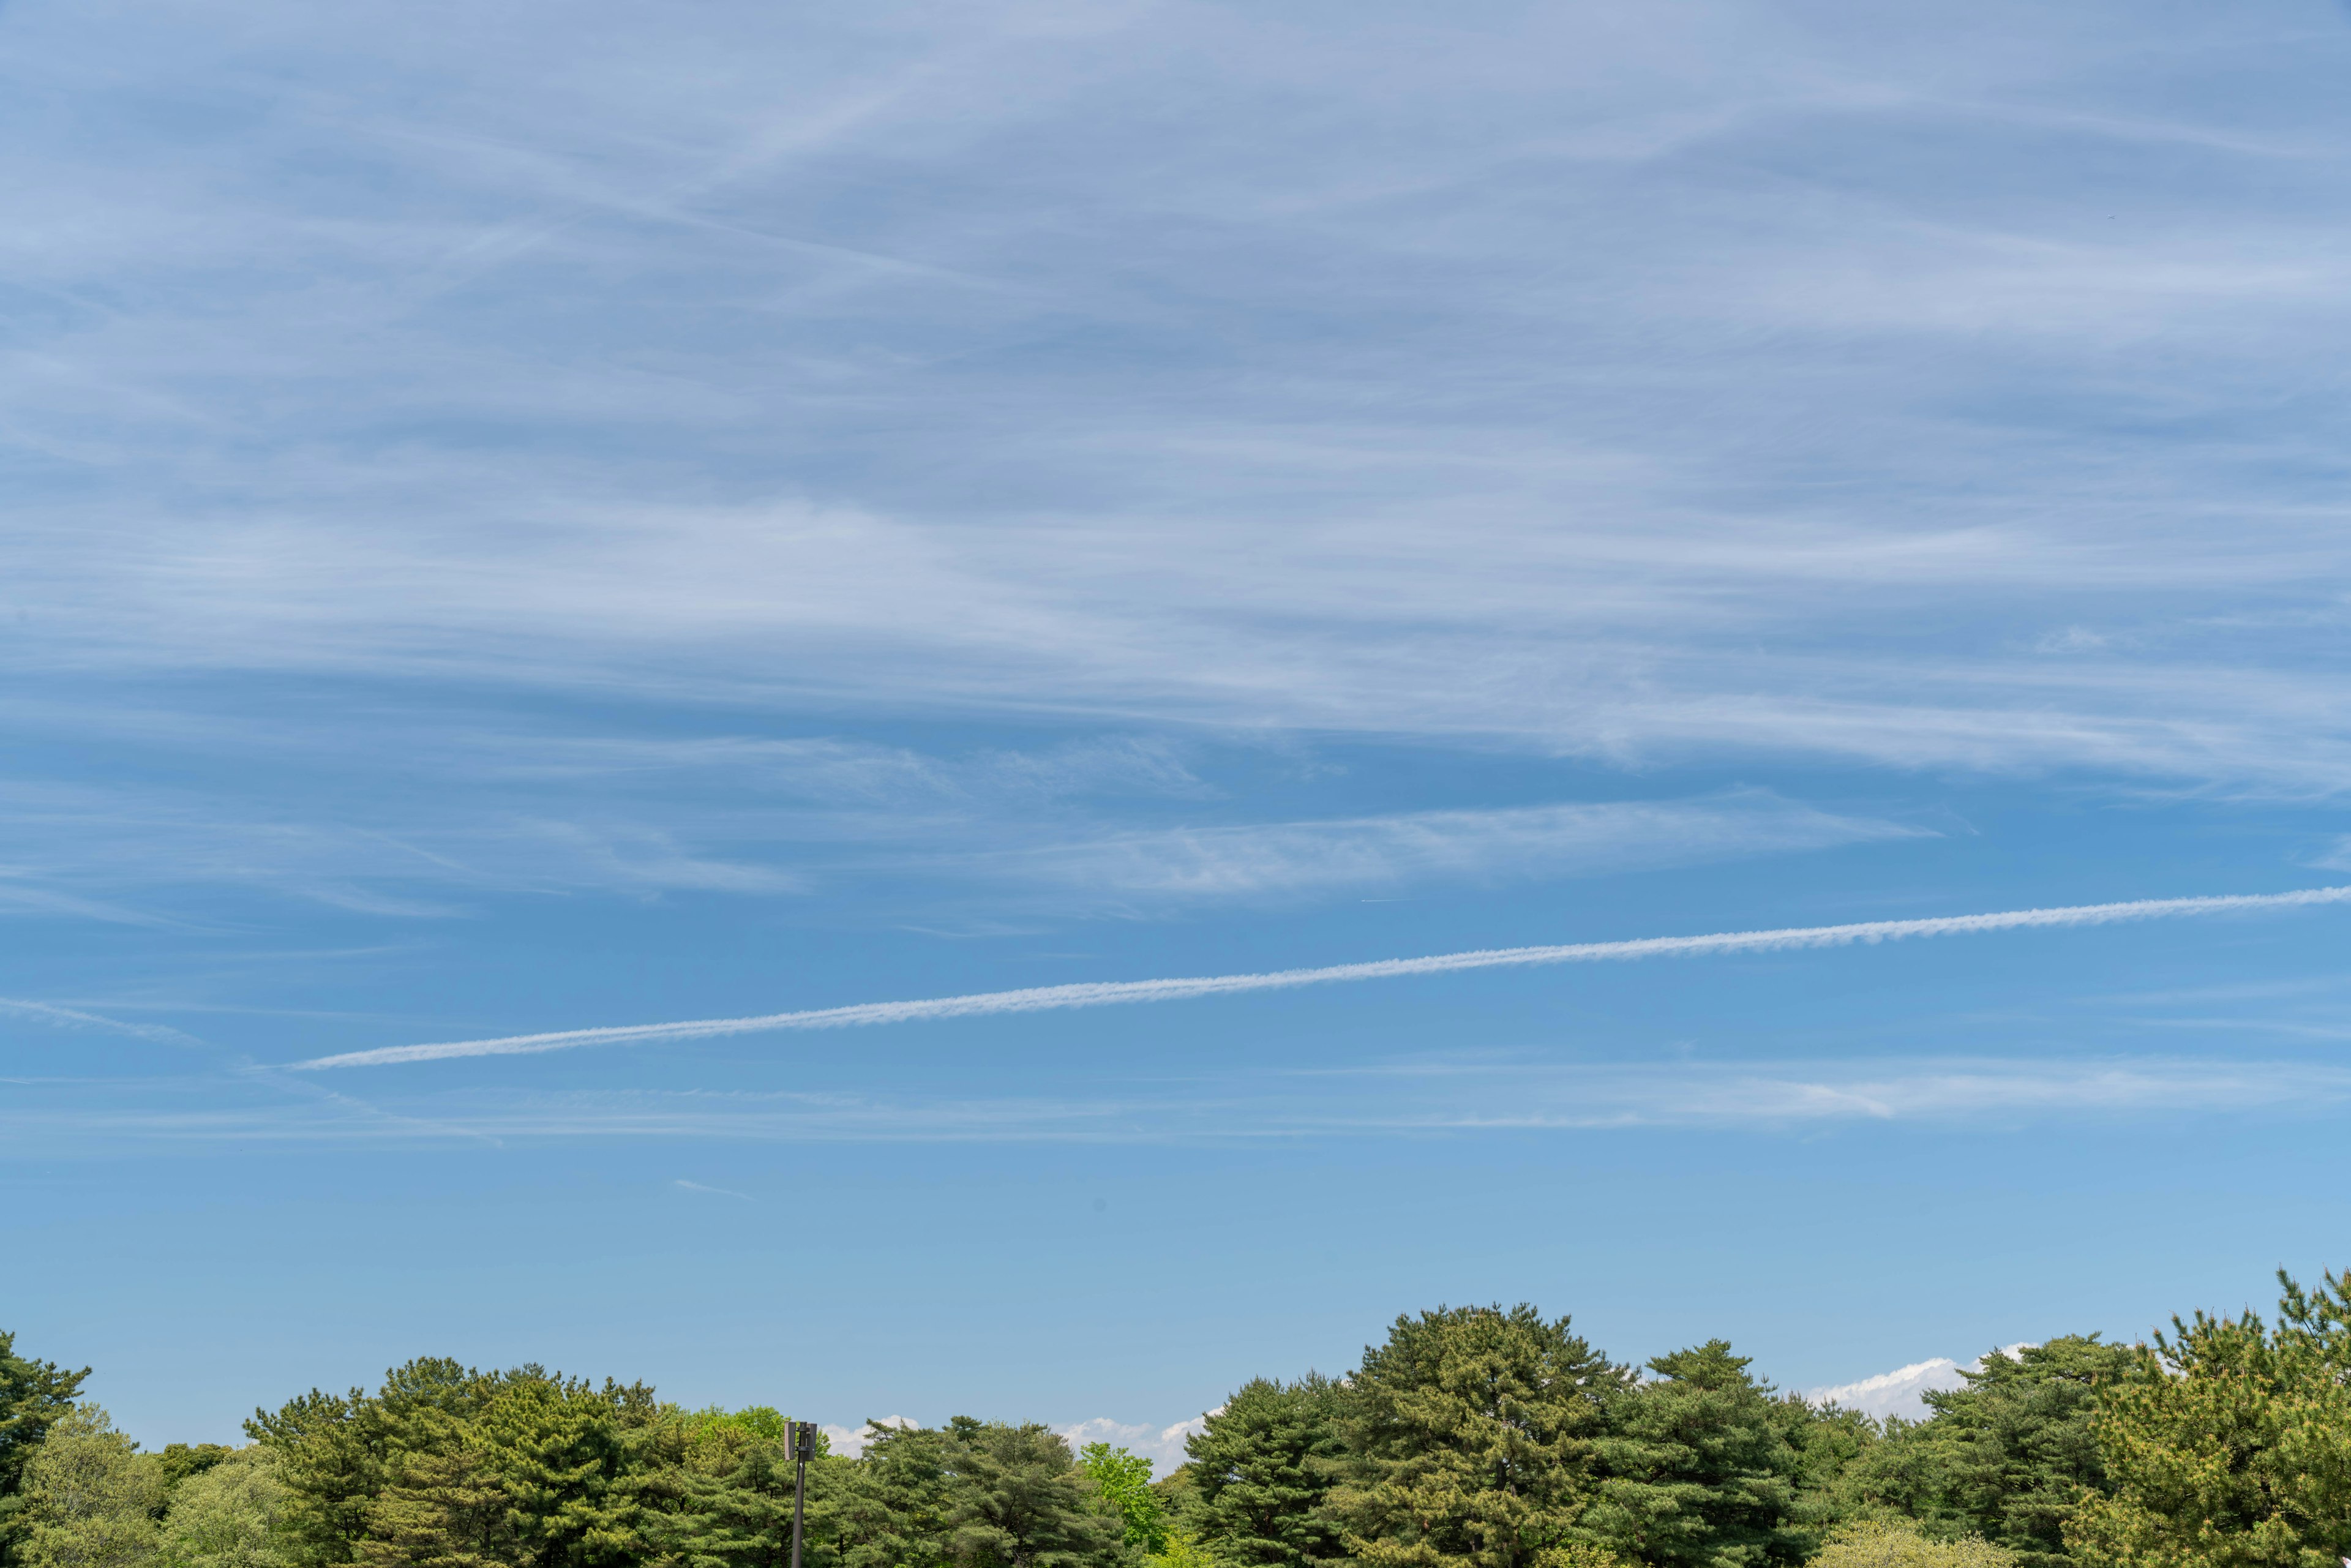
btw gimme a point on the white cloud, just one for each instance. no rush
(852, 1441)
(1895, 1393)
(685, 1186)
(1898, 1393)
(1253, 859)
(1781, 469)
(1162, 1444)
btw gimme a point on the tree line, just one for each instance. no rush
(1471, 1438)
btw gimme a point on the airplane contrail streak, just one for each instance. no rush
(1107, 993)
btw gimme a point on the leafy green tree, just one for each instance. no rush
(1699, 1470)
(91, 1497)
(1474, 1433)
(181, 1460)
(1124, 1479)
(2009, 1455)
(1183, 1550)
(1898, 1544)
(226, 1515)
(1017, 1500)
(2232, 1447)
(1261, 1471)
(34, 1396)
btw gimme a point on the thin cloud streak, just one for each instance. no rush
(1043, 999)
(74, 1017)
(1464, 1099)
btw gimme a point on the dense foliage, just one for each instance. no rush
(1471, 1438)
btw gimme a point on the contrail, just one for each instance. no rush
(1106, 993)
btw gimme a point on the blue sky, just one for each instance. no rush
(533, 517)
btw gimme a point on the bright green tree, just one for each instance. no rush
(1261, 1471)
(91, 1497)
(1898, 1544)
(2232, 1449)
(226, 1515)
(1699, 1470)
(34, 1396)
(1124, 1479)
(1473, 1435)
(1183, 1550)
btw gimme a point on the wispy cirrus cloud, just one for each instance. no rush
(1432, 1097)
(76, 1019)
(1246, 860)
(1814, 459)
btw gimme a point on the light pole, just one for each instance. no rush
(803, 1451)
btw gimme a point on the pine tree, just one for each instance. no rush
(2009, 1455)
(34, 1396)
(337, 1452)
(2231, 1446)
(894, 1506)
(1017, 1500)
(725, 1501)
(439, 1507)
(1261, 1470)
(1699, 1471)
(557, 1450)
(1473, 1433)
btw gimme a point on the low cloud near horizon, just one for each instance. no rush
(1901, 1391)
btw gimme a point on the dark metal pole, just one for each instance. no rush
(803, 1444)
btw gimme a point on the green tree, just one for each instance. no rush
(446, 1466)
(337, 1453)
(34, 1396)
(1699, 1470)
(226, 1515)
(1898, 1544)
(435, 1502)
(91, 1497)
(894, 1504)
(1261, 1471)
(2009, 1455)
(559, 1452)
(1124, 1479)
(724, 1499)
(1831, 1446)
(2232, 1449)
(183, 1460)
(1017, 1500)
(1473, 1435)
(1183, 1550)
